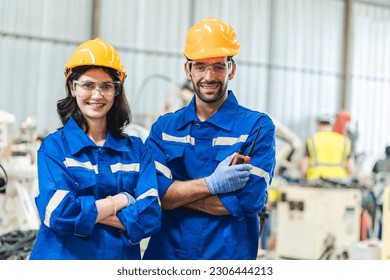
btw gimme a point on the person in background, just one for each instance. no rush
(382, 165)
(342, 121)
(97, 186)
(381, 180)
(328, 153)
(343, 126)
(210, 207)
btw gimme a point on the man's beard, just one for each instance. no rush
(206, 98)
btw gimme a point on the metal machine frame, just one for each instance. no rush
(315, 222)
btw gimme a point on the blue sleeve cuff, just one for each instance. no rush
(232, 204)
(131, 200)
(86, 223)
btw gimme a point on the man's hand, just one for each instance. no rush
(228, 178)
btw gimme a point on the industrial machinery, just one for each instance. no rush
(17, 203)
(290, 150)
(316, 222)
(381, 182)
(19, 220)
(386, 225)
(6, 120)
(18, 161)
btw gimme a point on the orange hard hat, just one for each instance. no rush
(211, 37)
(344, 114)
(96, 53)
(342, 119)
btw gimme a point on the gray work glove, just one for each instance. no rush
(228, 178)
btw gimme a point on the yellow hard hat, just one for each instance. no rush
(96, 53)
(211, 37)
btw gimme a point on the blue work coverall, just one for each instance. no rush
(186, 148)
(73, 173)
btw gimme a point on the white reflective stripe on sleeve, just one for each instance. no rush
(151, 192)
(229, 141)
(163, 169)
(184, 139)
(52, 205)
(71, 162)
(261, 173)
(124, 167)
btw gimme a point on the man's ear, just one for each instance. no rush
(231, 75)
(189, 77)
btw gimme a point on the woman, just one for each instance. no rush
(98, 189)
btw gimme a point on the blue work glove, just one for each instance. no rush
(130, 198)
(228, 178)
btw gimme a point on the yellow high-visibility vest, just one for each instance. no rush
(328, 154)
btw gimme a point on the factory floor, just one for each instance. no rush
(17, 245)
(361, 250)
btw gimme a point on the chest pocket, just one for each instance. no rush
(173, 152)
(174, 156)
(127, 181)
(224, 153)
(126, 175)
(84, 181)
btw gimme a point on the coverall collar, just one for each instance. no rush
(223, 118)
(78, 139)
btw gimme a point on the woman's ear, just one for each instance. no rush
(70, 85)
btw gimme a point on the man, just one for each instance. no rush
(210, 208)
(381, 179)
(382, 165)
(328, 153)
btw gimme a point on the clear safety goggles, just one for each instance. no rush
(107, 89)
(198, 69)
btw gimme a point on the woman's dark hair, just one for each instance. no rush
(118, 117)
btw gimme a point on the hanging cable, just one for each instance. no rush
(147, 80)
(3, 181)
(17, 244)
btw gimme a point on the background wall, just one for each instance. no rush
(298, 57)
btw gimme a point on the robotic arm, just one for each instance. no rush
(289, 155)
